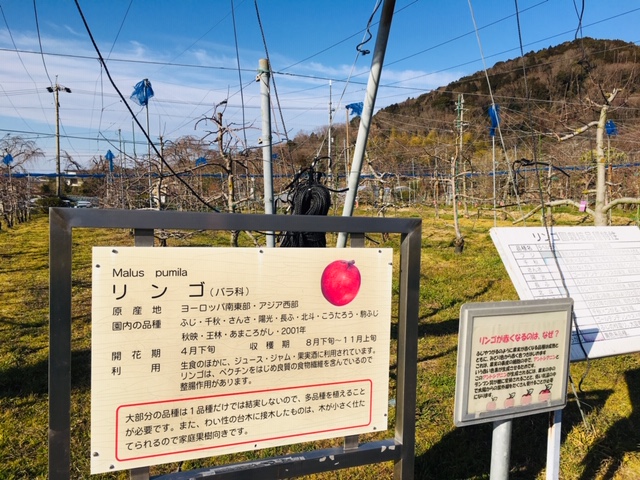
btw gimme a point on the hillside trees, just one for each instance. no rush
(557, 95)
(411, 145)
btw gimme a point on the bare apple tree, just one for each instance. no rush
(602, 205)
(228, 157)
(15, 187)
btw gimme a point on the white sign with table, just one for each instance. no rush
(598, 267)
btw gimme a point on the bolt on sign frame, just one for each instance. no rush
(400, 449)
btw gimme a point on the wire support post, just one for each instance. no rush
(263, 77)
(367, 112)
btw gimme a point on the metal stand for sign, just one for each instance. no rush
(500, 450)
(400, 449)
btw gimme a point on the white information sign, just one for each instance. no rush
(198, 352)
(513, 359)
(598, 267)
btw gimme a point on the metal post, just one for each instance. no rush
(331, 172)
(263, 77)
(330, 125)
(143, 238)
(121, 203)
(149, 158)
(495, 213)
(367, 112)
(454, 168)
(141, 473)
(347, 149)
(610, 178)
(553, 446)
(500, 450)
(59, 347)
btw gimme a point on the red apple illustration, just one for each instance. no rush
(340, 282)
(492, 404)
(510, 401)
(545, 395)
(526, 398)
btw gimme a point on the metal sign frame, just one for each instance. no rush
(520, 346)
(400, 448)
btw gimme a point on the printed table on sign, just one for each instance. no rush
(598, 267)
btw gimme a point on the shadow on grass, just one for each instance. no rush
(436, 329)
(25, 380)
(439, 329)
(622, 437)
(24, 325)
(466, 452)
(433, 308)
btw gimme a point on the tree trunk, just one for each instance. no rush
(600, 217)
(230, 170)
(459, 241)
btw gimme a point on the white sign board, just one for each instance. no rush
(513, 359)
(198, 352)
(598, 267)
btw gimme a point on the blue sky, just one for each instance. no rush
(189, 50)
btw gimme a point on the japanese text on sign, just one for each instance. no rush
(206, 351)
(598, 267)
(511, 361)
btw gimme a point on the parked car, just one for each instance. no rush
(83, 204)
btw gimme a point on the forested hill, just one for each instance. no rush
(554, 90)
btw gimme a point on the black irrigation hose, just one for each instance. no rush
(308, 197)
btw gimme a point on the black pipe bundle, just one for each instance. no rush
(308, 196)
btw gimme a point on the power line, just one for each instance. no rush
(503, 52)
(391, 85)
(319, 78)
(35, 12)
(458, 37)
(235, 38)
(150, 143)
(23, 66)
(273, 80)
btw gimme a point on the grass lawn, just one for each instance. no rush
(601, 423)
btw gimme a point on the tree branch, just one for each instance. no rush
(621, 201)
(555, 203)
(578, 131)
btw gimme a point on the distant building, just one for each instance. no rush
(72, 178)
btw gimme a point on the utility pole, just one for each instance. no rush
(459, 241)
(121, 155)
(56, 91)
(330, 124)
(149, 158)
(160, 175)
(332, 172)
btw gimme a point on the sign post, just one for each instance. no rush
(596, 266)
(513, 360)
